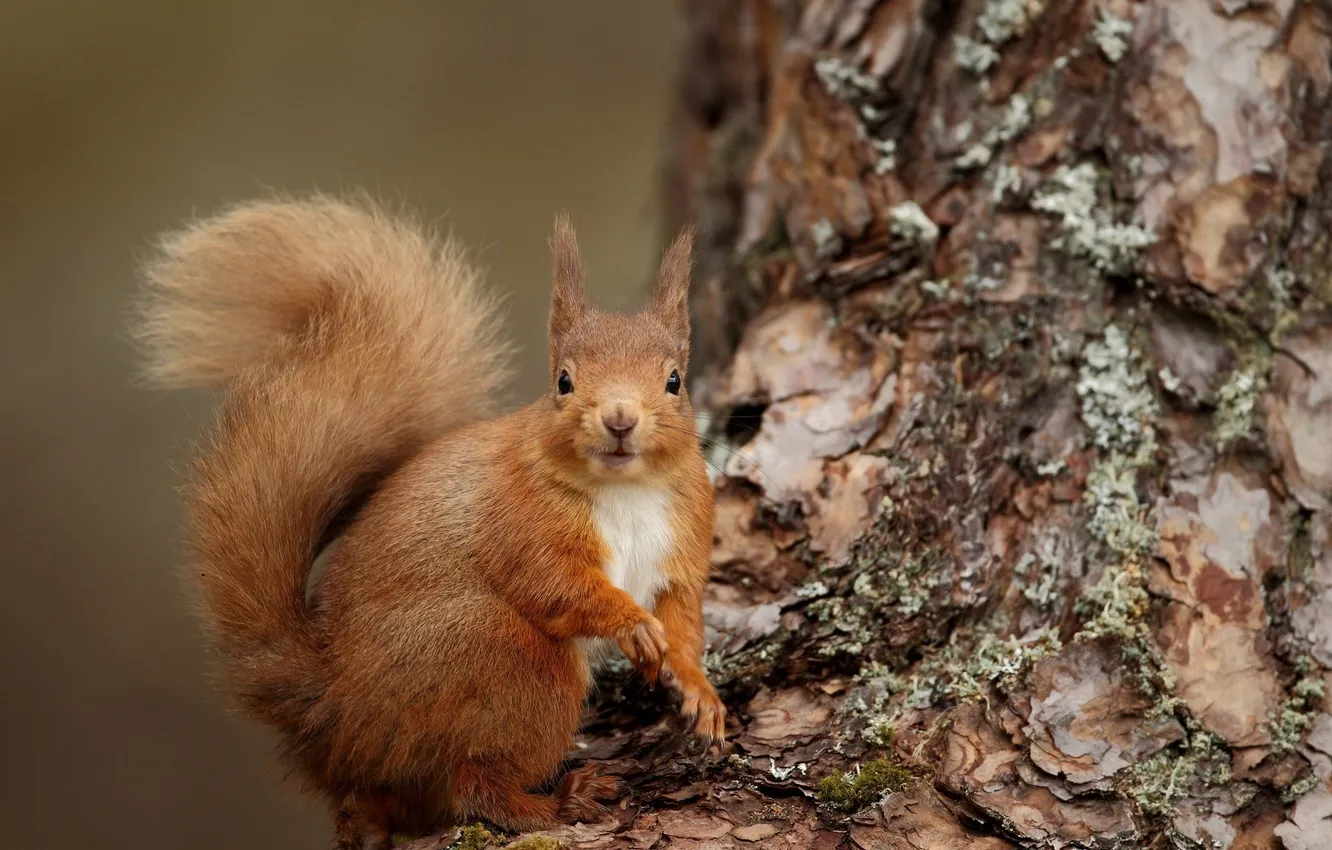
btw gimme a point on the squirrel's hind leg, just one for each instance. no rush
(489, 794)
(362, 823)
(485, 792)
(579, 793)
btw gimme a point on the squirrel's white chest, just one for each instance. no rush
(634, 523)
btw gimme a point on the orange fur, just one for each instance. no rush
(438, 671)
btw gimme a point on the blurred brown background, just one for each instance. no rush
(120, 119)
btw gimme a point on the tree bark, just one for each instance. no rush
(1014, 319)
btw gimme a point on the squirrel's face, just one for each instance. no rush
(619, 397)
(617, 388)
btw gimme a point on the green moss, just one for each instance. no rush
(1310, 691)
(852, 791)
(909, 586)
(477, 837)
(1287, 729)
(1116, 604)
(892, 580)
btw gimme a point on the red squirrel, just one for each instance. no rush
(438, 669)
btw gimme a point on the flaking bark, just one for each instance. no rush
(1015, 321)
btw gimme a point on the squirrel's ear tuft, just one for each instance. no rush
(670, 299)
(567, 297)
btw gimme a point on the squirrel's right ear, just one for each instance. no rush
(567, 298)
(670, 298)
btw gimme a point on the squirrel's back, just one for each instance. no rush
(345, 340)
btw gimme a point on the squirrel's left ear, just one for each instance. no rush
(567, 297)
(670, 298)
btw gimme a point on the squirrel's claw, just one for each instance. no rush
(710, 724)
(645, 647)
(702, 710)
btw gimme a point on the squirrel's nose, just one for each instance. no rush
(620, 423)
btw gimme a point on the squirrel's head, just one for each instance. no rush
(617, 381)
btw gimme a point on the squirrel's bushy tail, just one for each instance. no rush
(345, 339)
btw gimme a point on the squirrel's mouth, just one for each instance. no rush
(616, 457)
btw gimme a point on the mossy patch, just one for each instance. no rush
(854, 790)
(745, 669)
(477, 837)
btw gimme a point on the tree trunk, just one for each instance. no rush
(1015, 319)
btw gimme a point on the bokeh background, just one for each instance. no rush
(119, 118)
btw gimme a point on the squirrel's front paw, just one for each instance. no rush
(644, 644)
(700, 706)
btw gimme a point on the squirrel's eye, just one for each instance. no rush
(565, 384)
(673, 383)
